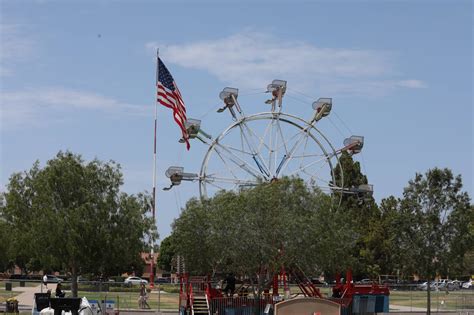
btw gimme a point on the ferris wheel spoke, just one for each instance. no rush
(262, 143)
(308, 155)
(287, 157)
(256, 154)
(227, 170)
(238, 161)
(213, 179)
(271, 151)
(231, 170)
(301, 168)
(277, 133)
(282, 137)
(287, 142)
(261, 140)
(315, 178)
(331, 188)
(317, 172)
(304, 151)
(214, 184)
(238, 150)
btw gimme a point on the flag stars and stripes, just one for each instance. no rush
(169, 95)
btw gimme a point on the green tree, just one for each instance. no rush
(438, 217)
(255, 232)
(71, 215)
(167, 253)
(362, 216)
(6, 261)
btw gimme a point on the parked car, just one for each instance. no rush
(82, 279)
(53, 279)
(424, 286)
(454, 285)
(162, 280)
(135, 280)
(468, 285)
(442, 284)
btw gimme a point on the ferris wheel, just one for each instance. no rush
(267, 146)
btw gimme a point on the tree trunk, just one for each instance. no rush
(74, 282)
(428, 290)
(256, 309)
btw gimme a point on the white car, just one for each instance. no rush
(467, 285)
(53, 279)
(135, 280)
(424, 286)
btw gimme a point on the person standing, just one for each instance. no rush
(230, 285)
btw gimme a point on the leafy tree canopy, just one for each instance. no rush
(438, 223)
(71, 215)
(284, 223)
(167, 253)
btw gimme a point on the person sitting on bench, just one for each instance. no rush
(59, 292)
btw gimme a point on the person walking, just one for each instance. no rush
(142, 300)
(45, 282)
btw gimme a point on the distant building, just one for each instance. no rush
(147, 269)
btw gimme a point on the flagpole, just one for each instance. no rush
(152, 271)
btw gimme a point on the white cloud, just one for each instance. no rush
(15, 47)
(251, 60)
(25, 107)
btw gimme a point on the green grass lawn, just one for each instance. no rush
(27, 284)
(4, 295)
(439, 300)
(16, 284)
(126, 300)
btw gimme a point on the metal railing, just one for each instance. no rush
(239, 305)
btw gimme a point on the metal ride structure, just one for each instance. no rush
(266, 146)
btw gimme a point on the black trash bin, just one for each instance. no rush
(12, 306)
(42, 301)
(65, 304)
(8, 286)
(22, 283)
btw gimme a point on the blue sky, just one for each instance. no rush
(80, 76)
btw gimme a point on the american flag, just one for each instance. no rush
(170, 96)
